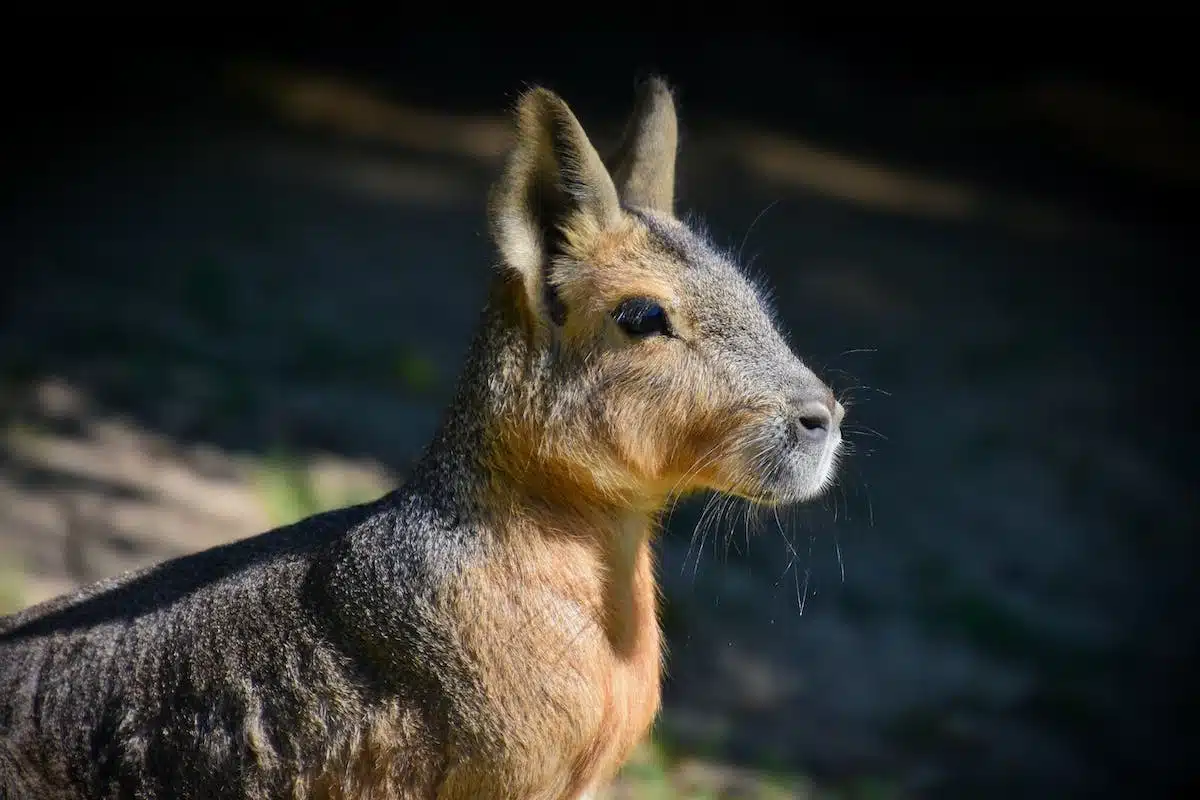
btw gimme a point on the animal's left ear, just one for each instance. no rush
(643, 167)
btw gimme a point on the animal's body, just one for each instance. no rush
(489, 629)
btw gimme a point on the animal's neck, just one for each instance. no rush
(629, 588)
(526, 498)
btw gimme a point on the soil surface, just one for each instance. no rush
(231, 315)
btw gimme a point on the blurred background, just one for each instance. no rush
(241, 278)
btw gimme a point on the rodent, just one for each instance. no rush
(489, 628)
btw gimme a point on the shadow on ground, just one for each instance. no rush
(254, 308)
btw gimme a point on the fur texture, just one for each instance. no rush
(489, 629)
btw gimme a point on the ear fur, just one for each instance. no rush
(643, 165)
(553, 181)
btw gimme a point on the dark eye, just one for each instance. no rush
(641, 316)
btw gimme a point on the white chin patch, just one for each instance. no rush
(821, 478)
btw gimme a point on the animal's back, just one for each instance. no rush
(215, 670)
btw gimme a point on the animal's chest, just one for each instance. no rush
(561, 734)
(631, 698)
(567, 688)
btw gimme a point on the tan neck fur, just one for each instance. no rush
(563, 618)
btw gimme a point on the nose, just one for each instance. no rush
(816, 420)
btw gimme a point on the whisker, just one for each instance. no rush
(859, 387)
(807, 574)
(863, 430)
(696, 532)
(759, 216)
(713, 521)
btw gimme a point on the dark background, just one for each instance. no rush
(979, 233)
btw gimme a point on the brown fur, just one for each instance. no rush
(566, 670)
(569, 665)
(489, 630)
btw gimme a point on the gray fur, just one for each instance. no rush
(228, 672)
(237, 671)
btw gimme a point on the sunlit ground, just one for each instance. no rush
(291, 355)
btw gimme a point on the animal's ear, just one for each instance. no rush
(554, 186)
(644, 163)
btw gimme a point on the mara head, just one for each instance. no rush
(649, 364)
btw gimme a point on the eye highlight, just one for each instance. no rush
(641, 317)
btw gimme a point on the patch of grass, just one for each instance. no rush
(647, 773)
(286, 488)
(12, 590)
(290, 493)
(677, 741)
(661, 768)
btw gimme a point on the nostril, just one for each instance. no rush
(813, 422)
(815, 419)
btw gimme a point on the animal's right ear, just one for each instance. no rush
(554, 188)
